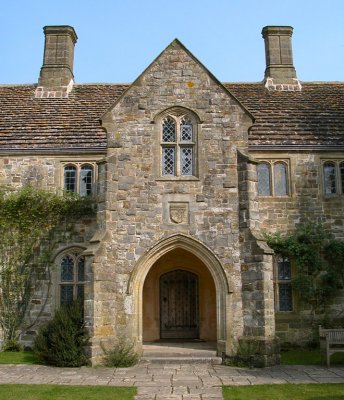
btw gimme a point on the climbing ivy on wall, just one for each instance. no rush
(28, 218)
(318, 260)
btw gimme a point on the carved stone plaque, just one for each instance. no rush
(179, 213)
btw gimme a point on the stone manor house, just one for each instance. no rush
(188, 172)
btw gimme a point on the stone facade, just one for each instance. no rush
(203, 223)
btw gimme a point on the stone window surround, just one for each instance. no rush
(78, 165)
(278, 281)
(270, 162)
(56, 275)
(178, 112)
(338, 178)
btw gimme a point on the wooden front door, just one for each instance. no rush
(179, 305)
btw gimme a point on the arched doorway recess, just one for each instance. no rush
(152, 261)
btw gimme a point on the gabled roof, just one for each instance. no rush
(313, 117)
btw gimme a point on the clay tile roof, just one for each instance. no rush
(312, 117)
(56, 123)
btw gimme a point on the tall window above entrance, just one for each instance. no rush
(178, 144)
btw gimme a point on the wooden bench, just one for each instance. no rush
(334, 342)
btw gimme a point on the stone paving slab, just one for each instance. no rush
(171, 381)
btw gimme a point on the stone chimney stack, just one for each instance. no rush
(280, 73)
(56, 77)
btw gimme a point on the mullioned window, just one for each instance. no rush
(178, 144)
(273, 178)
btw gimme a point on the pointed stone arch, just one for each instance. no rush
(205, 255)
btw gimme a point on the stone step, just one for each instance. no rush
(182, 360)
(174, 352)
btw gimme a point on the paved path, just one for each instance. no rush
(167, 381)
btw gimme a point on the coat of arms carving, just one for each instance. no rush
(179, 213)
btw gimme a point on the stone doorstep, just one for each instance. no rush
(182, 360)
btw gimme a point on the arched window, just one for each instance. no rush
(329, 169)
(79, 178)
(72, 277)
(70, 178)
(178, 145)
(86, 180)
(264, 179)
(273, 178)
(280, 179)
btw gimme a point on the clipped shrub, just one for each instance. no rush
(12, 345)
(61, 342)
(122, 355)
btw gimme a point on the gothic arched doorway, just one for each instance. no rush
(169, 254)
(179, 299)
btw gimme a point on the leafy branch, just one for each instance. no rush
(318, 259)
(28, 218)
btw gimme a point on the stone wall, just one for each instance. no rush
(306, 202)
(46, 172)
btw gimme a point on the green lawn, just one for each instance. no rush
(60, 392)
(285, 392)
(13, 357)
(309, 357)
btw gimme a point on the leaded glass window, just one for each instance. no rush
(264, 180)
(67, 269)
(79, 178)
(280, 179)
(284, 285)
(86, 180)
(341, 173)
(273, 178)
(168, 161)
(178, 145)
(66, 294)
(186, 160)
(285, 297)
(330, 178)
(169, 130)
(186, 130)
(72, 277)
(70, 178)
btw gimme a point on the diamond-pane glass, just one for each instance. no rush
(186, 130)
(168, 161)
(66, 294)
(285, 297)
(264, 187)
(81, 269)
(70, 179)
(86, 180)
(169, 130)
(80, 293)
(329, 178)
(280, 179)
(67, 269)
(341, 171)
(186, 161)
(284, 268)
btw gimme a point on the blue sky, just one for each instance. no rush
(117, 39)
